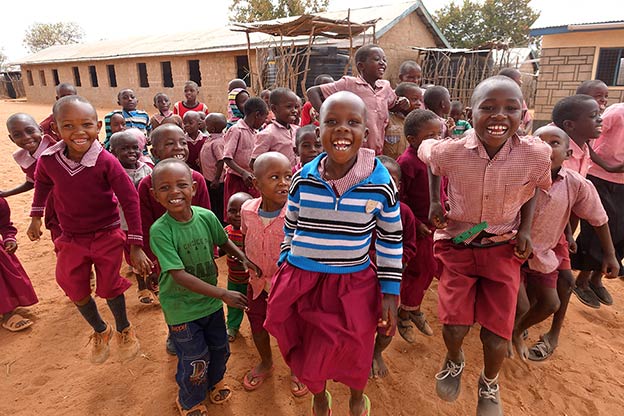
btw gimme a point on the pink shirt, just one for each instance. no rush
(570, 192)
(378, 101)
(262, 243)
(483, 189)
(362, 169)
(239, 143)
(276, 138)
(580, 159)
(211, 153)
(28, 162)
(610, 145)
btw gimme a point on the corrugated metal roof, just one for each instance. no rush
(220, 39)
(588, 16)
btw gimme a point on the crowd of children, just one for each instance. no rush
(335, 218)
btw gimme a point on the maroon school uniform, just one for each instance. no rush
(86, 195)
(46, 126)
(195, 147)
(15, 287)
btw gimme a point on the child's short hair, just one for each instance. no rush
(279, 94)
(323, 79)
(18, 116)
(487, 83)
(568, 108)
(121, 92)
(116, 137)
(415, 120)
(404, 87)
(433, 95)
(65, 86)
(255, 104)
(362, 54)
(390, 163)
(158, 132)
(70, 99)
(510, 72)
(236, 83)
(457, 106)
(587, 86)
(160, 94)
(191, 84)
(307, 129)
(166, 164)
(407, 66)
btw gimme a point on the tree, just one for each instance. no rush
(474, 23)
(258, 10)
(43, 35)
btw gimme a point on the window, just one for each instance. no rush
(55, 76)
(77, 77)
(142, 69)
(610, 68)
(194, 72)
(112, 76)
(242, 68)
(31, 81)
(167, 76)
(93, 75)
(42, 77)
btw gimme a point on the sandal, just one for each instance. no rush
(220, 393)
(16, 323)
(197, 410)
(253, 375)
(406, 330)
(541, 350)
(297, 388)
(145, 297)
(329, 403)
(367, 406)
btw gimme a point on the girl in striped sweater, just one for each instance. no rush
(327, 299)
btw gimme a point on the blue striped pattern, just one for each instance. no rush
(328, 234)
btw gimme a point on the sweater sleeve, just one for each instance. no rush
(408, 221)
(202, 197)
(43, 187)
(290, 219)
(389, 245)
(7, 230)
(128, 199)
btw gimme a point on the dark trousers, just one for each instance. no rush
(216, 201)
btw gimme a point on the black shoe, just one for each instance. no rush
(587, 297)
(448, 380)
(602, 294)
(170, 346)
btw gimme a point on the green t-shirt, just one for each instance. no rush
(189, 246)
(461, 127)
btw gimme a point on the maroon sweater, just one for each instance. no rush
(151, 209)
(86, 194)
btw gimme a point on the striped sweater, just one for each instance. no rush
(330, 234)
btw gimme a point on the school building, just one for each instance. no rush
(573, 52)
(212, 57)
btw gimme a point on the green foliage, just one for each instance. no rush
(474, 23)
(258, 10)
(43, 35)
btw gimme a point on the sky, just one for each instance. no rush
(158, 16)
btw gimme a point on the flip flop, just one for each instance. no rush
(215, 394)
(16, 323)
(367, 406)
(252, 374)
(301, 389)
(145, 297)
(541, 350)
(329, 403)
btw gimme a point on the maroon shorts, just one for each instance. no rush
(233, 184)
(562, 251)
(256, 310)
(531, 277)
(77, 253)
(478, 285)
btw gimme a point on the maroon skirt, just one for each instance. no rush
(15, 287)
(325, 324)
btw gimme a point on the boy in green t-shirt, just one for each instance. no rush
(458, 114)
(183, 240)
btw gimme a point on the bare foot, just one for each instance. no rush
(520, 346)
(379, 370)
(510, 350)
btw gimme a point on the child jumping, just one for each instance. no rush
(326, 300)
(190, 299)
(78, 174)
(485, 237)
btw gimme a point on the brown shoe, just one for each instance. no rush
(101, 348)
(128, 344)
(489, 402)
(418, 317)
(406, 330)
(448, 379)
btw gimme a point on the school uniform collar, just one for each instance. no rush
(88, 159)
(578, 152)
(25, 159)
(473, 142)
(214, 136)
(361, 81)
(244, 125)
(253, 205)
(281, 126)
(200, 136)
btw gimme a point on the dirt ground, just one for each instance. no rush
(45, 370)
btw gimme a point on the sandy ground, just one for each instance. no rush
(45, 370)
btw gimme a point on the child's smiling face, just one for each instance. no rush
(125, 147)
(374, 66)
(77, 125)
(170, 141)
(25, 133)
(173, 187)
(287, 109)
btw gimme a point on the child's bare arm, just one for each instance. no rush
(569, 235)
(192, 283)
(315, 96)
(215, 184)
(610, 265)
(524, 246)
(603, 164)
(436, 213)
(25, 187)
(230, 248)
(245, 174)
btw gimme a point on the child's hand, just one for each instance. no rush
(524, 246)
(572, 247)
(314, 115)
(388, 319)
(10, 246)
(234, 299)
(140, 261)
(248, 179)
(450, 124)
(249, 265)
(401, 104)
(610, 266)
(437, 215)
(34, 229)
(422, 231)
(152, 282)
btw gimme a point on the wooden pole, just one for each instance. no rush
(307, 64)
(251, 77)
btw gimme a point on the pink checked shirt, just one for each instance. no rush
(580, 159)
(210, 154)
(28, 162)
(570, 192)
(262, 243)
(610, 144)
(276, 138)
(483, 189)
(239, 142)
(378, 101)
(362, 169)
